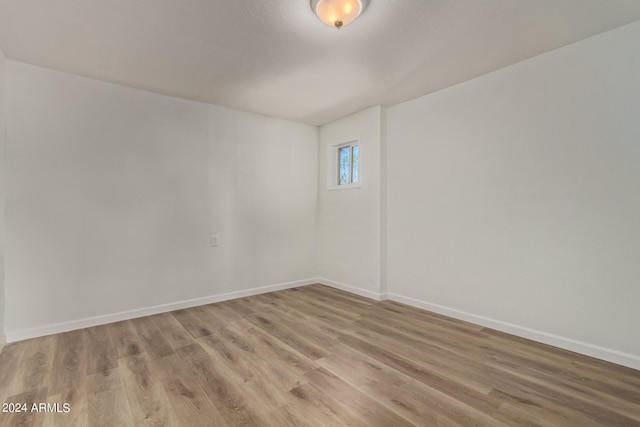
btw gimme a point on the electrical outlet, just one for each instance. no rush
(214, 241)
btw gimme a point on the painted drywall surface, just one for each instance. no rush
(514, 196)
(264, 202)
(113, 194)
(2, 193)
(349, 219)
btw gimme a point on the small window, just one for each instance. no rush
(348, 164)
(343, 165)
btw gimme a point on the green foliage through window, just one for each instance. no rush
(348, 160)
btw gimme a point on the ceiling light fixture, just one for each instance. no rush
(338, 13)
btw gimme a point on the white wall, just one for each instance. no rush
(515, 196)
(113, 193)
(2, 195)
(349, 219)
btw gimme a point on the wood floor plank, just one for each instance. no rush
(273, 349)
(226, 311)
(519, 418)
(332, 294)
(33, 368)
(461, 339)
(419, 315)
(598, 374)
(107, 403)
(307, 326)
(76, 398)
(335, 306)
(192, 323)
(243, 306)
(208, 317)
(125, 338)
(153, 340)
(188, 402)
(101, 353)
(69, 364)
(537, 407)
(10, 358)
(68, 383)
(321, 312)
(173, 331)
(364, 407)
(224, 393)
(440, 361)
(297, 341)
(310, 356)
(284, 416)
(562, 404)
(309, 401)
(463, 393)
(147, 399)
(618, 401)
(258, 378)
(556, 365)
(27, 417)
(413, 399)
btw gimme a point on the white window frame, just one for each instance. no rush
(333, 166)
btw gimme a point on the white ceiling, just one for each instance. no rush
(276, 58)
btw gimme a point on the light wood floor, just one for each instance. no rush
(311, 356)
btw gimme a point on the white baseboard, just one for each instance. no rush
(88, 322)
(351, 289)
(614, 356)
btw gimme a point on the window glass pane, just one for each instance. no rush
(354, 174)
(344, 162)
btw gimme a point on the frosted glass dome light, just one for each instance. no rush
(338, 13)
